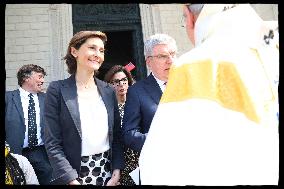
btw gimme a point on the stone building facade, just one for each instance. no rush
(39, 34)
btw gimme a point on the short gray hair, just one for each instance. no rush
(195, 8)
(157, 39)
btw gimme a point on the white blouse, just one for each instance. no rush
(25, 104)
(94, 122)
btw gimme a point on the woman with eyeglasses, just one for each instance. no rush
(120, 78)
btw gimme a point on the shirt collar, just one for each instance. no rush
(160, 82)
(25, 93)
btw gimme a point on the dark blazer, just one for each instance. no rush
(141, 104)
(63, 128)
(15, 127)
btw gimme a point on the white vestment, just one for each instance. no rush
(217, 121)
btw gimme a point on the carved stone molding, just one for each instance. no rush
(113, 18)
(61, 31)
(53, 6)
(146, 20)
(150, 20)
(275, 11)
(66, 31)
(101, 12)
(156, 19)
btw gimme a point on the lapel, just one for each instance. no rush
(17, 100)
(41, 97)
(41, 105)
(153, 88)
(107, 99)
(70, 97)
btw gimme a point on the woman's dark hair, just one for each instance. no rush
(26, 71)
(77, 40)
(118, 68)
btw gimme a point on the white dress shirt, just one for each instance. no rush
(161, 83)
(25, 104)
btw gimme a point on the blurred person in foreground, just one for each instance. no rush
(18, 169)
(217, 122)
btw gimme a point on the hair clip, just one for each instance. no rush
(129, 66)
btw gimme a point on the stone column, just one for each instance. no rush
(150, 20)
(275, 11)
(61, 33)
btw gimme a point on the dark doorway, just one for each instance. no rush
(122, 25)
(118, 51)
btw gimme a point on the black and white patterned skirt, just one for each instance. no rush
(95, 169)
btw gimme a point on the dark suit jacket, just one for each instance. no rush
(63, 128)
(14, 120)
(141, 104)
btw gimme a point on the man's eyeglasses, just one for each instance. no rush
(165, 57)
(117, 81)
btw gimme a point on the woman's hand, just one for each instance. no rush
(114, 181)
(74, 182)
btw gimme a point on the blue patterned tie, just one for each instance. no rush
(32, 128)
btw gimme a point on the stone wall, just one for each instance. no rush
(171, 21)
(27, 39)
(39, 34)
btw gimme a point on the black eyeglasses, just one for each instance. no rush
(117, 81)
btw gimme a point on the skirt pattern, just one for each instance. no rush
(95, 169)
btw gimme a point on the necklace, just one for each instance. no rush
(85, 85)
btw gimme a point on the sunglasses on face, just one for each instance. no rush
(117, 81)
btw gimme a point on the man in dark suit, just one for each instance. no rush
(24, 122)
(143, 97)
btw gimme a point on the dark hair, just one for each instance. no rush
(77, 40)
(118, 68)
(26, 71)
